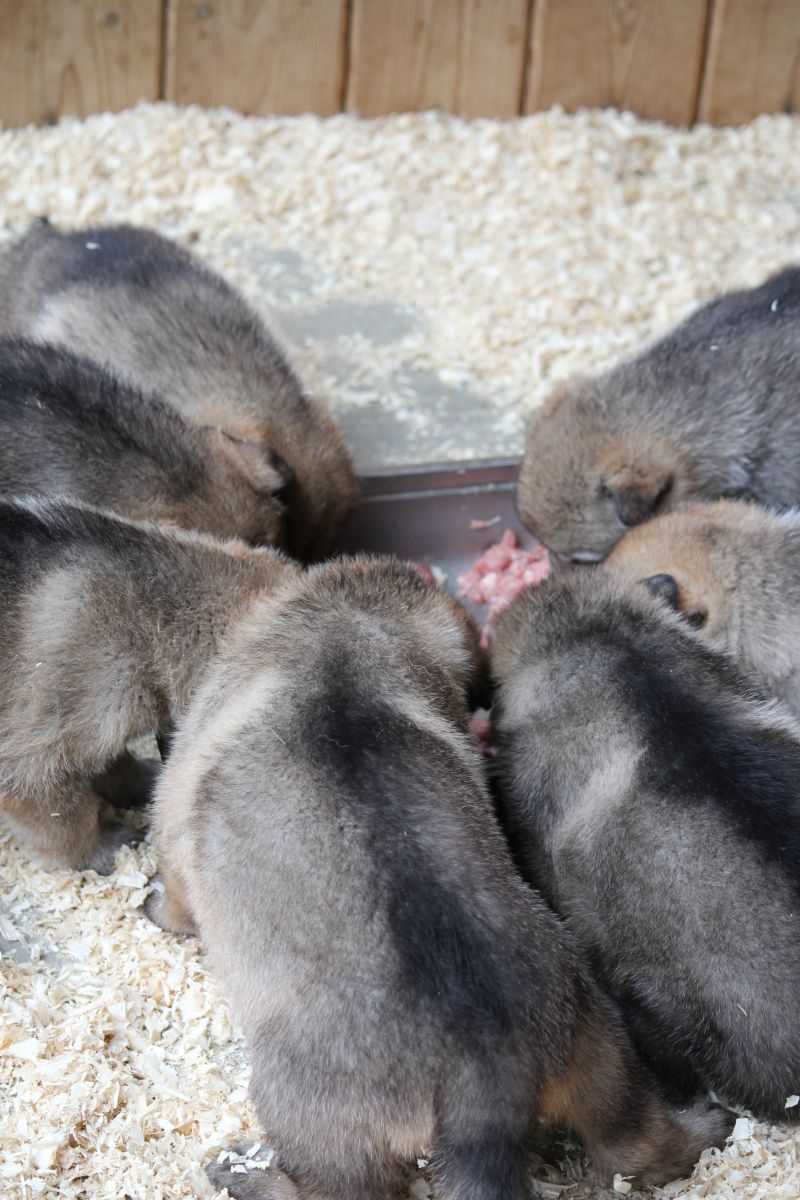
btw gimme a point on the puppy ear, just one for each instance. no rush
(663, 586)
(666, 588)
(265, 469)
(695, 616)
(636, 491)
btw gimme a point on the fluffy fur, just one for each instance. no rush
(324, 821)
(68, 427)
(145, 307)
(657, 803)
(106, 627)
(709, 411)
(735, 574)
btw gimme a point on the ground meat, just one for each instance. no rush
(425, 573)
(501, 573)
(432, 575)
(482, 730)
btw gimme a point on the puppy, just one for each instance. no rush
(324, 821)
(149, 310)
(106, 627)
(708, 411)
(657, 804)
(733, 570)
(69, 427)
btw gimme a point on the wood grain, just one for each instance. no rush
(257, 56)
(76, 56)
(464, 56)
(753, 63)
(642, 55)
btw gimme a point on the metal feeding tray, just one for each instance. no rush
(425, 514)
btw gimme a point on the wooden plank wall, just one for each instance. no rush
(753, 62)
(466, 57)
(284, 56)
(76, 56)
(585, 54)
(722, 61)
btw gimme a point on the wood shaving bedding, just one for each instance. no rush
(426, 269)
(121, 1072)
(404, 255)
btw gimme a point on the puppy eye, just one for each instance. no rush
(696, 619)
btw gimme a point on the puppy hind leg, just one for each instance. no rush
(251, 1182)
(609, 1098)
(64, 828)
(491, 1167)
(485, 1127)
(169, 908)
(246, 1181)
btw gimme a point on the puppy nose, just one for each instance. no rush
(584, 557)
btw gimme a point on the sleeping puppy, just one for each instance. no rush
(106, 627)
(68, 427)
(708, 411)
(323, 820)
(145, 307)
(657, 804)
(732, 569)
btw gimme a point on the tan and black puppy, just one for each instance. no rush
(657, 804)
(733, 570)
(148, 309)
(709, 411)
(105, 628)
(69, 427)
(324, 822)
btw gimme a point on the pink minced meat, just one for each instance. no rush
(481, 727)
(502, 572)
(424, 572)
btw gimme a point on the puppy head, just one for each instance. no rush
(449, 638)
(299, 470)
(477, 680)
(324, 488)
(255, 481)
(690, 560)
(522, 633)
(584, 482)
(430, 632)
(567, 610)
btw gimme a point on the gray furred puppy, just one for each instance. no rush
(148, 309)
(69, 427)
(106, 627)
(709, 411)
(732, 569)
(657, 804)
(324, 820)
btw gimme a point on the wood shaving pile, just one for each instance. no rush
(421, 266)
(429, 269)
(121, 1072)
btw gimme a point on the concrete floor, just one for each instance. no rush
(363, 357)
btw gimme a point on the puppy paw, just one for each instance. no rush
(165, 912)
(112, 837)
(249, 1173)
